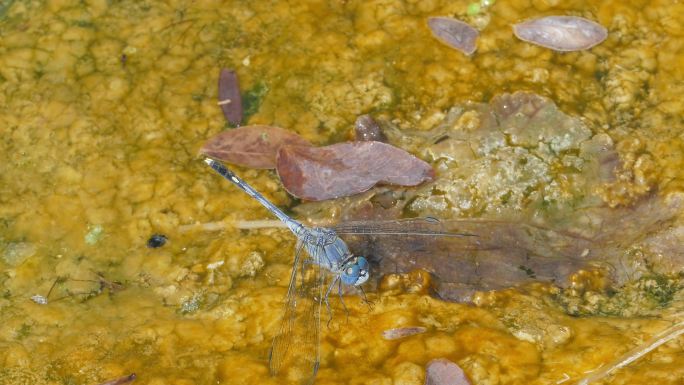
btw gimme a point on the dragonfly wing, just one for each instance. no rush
(408, 235)
(426, 226)
(464, 234)
(297, 344)
(502, 254)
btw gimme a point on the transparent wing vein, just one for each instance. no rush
(296, 345)
(414, 226)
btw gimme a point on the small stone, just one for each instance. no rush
(156, 241)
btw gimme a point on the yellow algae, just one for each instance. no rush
(105, 104)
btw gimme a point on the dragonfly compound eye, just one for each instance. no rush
(350, 274)
(362, 272)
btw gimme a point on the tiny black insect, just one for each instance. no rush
(156, 240)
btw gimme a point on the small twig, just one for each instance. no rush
(53, 286)
(240, 225)
(122, 380)
(635, 354)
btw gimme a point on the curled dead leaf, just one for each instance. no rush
(251, 146)
(345, 169)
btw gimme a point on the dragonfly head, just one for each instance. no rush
(355, 271)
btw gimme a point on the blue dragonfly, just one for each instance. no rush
(319, 252)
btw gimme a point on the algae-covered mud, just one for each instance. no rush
(121, 253)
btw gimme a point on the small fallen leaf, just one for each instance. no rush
(229, 96)
(367, 129)
(345, 169)
(251, 146)
(395, 334)
(561, 33)
(454, 33)
(444, 372)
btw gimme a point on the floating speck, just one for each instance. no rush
(39, 299)
(192, 304)
(94, 234)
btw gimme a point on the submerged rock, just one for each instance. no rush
(527, 180)
(517, 153)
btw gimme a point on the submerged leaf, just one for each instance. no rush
(229, 96)
(561, 33)
(444, 372)
(251, 146)
(345, 169)
(454, 33)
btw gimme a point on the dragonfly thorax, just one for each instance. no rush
(355, 271)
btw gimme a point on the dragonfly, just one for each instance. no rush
(318, 251)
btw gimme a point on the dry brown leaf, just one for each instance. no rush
(345, 169)
(251, 146)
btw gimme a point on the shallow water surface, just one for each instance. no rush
(104, 105)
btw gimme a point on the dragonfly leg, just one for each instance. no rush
(339, 292)
(365, 299)
(327, 302)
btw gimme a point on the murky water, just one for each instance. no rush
(104, 105)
